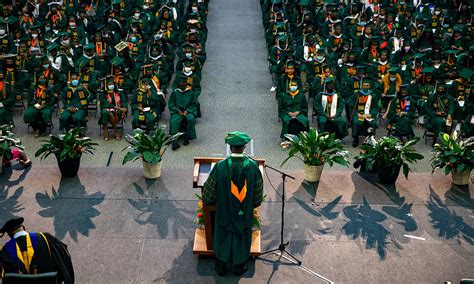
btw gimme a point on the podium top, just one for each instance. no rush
(204, 165)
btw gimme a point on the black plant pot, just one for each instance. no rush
(388, 174)
(69, 167)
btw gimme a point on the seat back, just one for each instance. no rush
(43, 278)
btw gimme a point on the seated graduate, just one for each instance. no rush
(293, 110)
(113, 107)
(75, 100)
(147, 105)
(364, 111)
(401, 113)
(328, 106)
(41, 101)
(439, 111)
(34, 253)
(183, 105)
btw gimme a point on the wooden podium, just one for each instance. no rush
(203, 236)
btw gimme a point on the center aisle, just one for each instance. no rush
(235, 84)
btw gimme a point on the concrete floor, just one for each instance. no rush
(121, 228)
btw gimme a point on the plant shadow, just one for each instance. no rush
(366, 223)
(9, 205)
(449, 224)
(170, 217)
(461, 196)
(71, 215)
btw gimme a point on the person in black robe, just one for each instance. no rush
(34, 253)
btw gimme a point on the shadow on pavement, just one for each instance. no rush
(71, 207)
(9, 206)
(447, 222)
(167, 216)
(366, 223)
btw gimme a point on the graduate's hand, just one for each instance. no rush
(123, 109)
(449, 118)
(360, 115)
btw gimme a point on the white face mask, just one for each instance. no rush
(136, 15)
(187, 69)
(194, 9)
(65, 42)
(188, 55)
(404, 67)
(293, 88)
(406, 48)
(55, 31)
(72, 25)
(436, 66)
(34, 35)
(45, 66)
(111, 87)
(437, 13)
(2, 32)
(393, 79)
(319, 58)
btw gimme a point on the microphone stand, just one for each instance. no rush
(282, 246)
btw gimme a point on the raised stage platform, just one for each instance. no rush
(121, 228)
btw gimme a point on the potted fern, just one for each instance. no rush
(68, 149)
(389, 155)
(455, 157)
(8, 140)
(150, 148)
(315, 150)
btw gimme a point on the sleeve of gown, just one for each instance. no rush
(258, 195)
(210, 188)
(61, 259)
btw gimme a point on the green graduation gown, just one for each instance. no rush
(155, 102)
(234, 219)
(338, 123)
(401, 115)
(108, 103)
(435, 103)
(43, 96)
(295, 103)
(183, 101)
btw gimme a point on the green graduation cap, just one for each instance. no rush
(63, 34)
(89, 46)
(452, 51)
(237, 139)
(393, 70)
(52, 46)
(466, 73)
(458, 28)
(418, 55)
(116, 61)
(428, 70)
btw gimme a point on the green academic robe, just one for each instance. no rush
(108, 105)
(141, 99)
(401, 115)
(325, 123)
(445, 106)
(43, 96)
(77, 97)
(234, 217)
(359, 104)
(183, 101)
(297, 103)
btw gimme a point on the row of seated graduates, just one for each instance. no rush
(377, 49)
(68, 54)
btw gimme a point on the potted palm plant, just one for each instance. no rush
(455, 157)
(150, 148)
(316, 149)
(389, 155)
(8, 140)
(68, 149)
